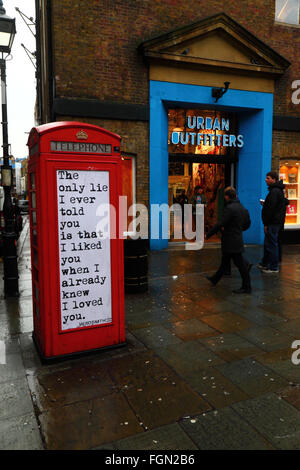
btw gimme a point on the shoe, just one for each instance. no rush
(210, 279)
(261, 266)
(241, 290)
(267, 270)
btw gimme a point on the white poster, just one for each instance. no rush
(84, 252)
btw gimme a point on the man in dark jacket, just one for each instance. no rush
(273, 216)
(234, 221)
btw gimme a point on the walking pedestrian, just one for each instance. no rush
(273, 217)
(234, 221)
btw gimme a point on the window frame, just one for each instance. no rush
(284, 23)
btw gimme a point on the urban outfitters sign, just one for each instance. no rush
(84, 254)
(207, 131)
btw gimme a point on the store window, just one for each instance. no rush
(290, 175)
(287, 11)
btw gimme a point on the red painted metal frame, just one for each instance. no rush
(51, 340)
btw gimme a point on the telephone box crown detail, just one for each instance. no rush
(81, 135)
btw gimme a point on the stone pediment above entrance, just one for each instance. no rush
(218, 43)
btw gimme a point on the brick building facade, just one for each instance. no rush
(97, 59)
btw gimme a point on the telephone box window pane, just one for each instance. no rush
(35, 257)
(32, 180)
(37, 295)
(34, 237)
(287, 11)
(36, 311)
(35, 274)
(33, 200)
(33, 215)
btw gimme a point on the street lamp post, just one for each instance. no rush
(11, 284)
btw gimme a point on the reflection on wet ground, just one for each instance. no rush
(203, 368)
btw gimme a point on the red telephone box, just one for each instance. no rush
(76, 251)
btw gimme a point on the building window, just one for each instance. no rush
(289, 172)
(287, 11)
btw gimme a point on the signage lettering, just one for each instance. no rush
(83, 147)
(84, 253)
(200, 123)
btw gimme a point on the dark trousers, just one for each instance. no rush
(240, 263)
(280, 237)
(270, 259)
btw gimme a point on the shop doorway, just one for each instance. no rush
(200, 182)
(203, 146)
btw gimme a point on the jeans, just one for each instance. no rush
(270, 259)
(240, 263)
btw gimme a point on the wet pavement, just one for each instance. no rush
(203, 368)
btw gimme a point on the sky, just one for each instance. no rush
(20, 80)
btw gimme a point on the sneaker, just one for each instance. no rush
(241, 290)
(261, 266)
(267, 270)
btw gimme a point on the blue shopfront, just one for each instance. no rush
(254, 111)
(185, 66)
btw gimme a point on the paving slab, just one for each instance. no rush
(227, 322)
(285, 369)
(13, 325)
(258, 316)
(191, 329)
(266, 338)
(164, 402)
(285, 309)
(66, 386)
(291, 395)
(20, 433)
(215, 388)
(223, 430)
(155, 337)
(12, 369)
(273, 418)
(230, 347)
(170, 437)
(15, 399)
(290, 327)
(88, 424)
(189, 357)
(253, 378)
(135, 370)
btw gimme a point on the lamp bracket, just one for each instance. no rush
(28, 21)
(219, 92)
